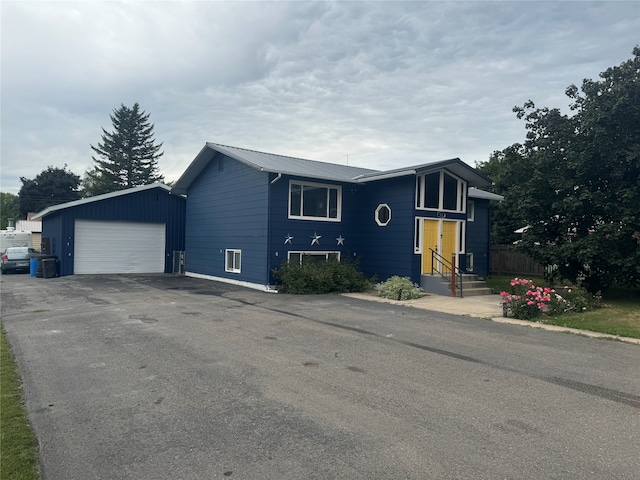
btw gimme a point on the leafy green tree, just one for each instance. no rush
(8, 209)
(577, 180)
(51, 187)
(508, 170)
(127, 157)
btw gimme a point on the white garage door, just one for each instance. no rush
(118, 247)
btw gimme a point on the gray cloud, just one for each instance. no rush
(379, 84)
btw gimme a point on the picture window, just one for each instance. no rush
(315, 201)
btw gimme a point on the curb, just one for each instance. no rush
(510, 321)
(556, 328)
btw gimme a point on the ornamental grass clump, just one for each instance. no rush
(399, 288)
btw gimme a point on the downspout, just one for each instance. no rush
(278, 177)
(268, 285)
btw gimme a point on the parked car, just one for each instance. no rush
(16, 259)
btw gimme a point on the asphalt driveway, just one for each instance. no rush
(163, 377)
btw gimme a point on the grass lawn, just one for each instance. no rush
(619, 315)
(18, 445)
(616, 317)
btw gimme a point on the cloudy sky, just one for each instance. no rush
(378, 85)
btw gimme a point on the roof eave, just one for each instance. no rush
(193, 170)
(384, 175)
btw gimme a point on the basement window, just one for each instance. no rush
(306, 257)
(232, 260)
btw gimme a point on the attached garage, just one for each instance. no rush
(119, 247)
(129, 231)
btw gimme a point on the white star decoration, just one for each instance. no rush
(288, 239)
(315, 238)
(340, 240)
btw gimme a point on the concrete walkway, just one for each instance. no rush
(488, 307)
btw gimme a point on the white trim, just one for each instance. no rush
(316, 253)
(421, 187)
(470, 260)
(477, 193)
(383, 176)
(254, 286)
(378, 208)
(418, 233)
(232, 268)
(460, 236)
(471, 211)
(328, 186)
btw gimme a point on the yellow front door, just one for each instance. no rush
(440, 236)
(449, 237)
(430, 240)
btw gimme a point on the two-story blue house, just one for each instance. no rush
(248, 211)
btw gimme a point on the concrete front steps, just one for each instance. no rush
(472, 285)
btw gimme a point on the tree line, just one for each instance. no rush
(573, 184)
(125, 157)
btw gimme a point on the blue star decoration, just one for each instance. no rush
(340, 240)
(288, 239)
(315, 238)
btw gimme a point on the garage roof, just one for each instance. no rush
(97, 198)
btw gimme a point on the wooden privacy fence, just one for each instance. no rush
(505, 260)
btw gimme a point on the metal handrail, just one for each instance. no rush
(447, 271)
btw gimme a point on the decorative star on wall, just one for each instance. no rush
(340, 240)
(287, 239)
(315, 238)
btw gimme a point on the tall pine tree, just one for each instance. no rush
(127, 157)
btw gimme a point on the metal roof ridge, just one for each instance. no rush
(323, 162)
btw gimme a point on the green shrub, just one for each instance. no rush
(318, 277)
(579, 299)
(399, 288)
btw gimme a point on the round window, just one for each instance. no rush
(383, 215)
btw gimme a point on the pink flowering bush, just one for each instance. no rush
(526, 301)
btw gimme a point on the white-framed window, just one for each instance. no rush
(315, 201)
(303, 257)
(440, 191)
(469, 262)
(417, 240)
(471, 211)
(383, 215)
(232, 260)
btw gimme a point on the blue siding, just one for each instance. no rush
(153, 206)
(478, 237)
(227, 209)
(234, 206)
(303, 230)
(388, 251)
(381, 251)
